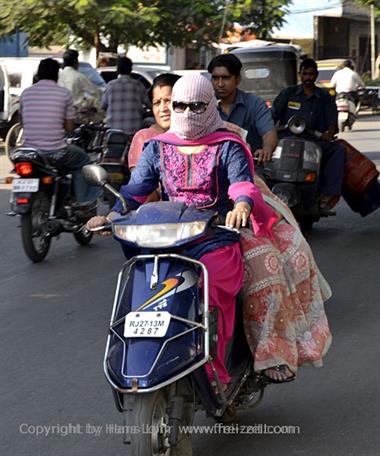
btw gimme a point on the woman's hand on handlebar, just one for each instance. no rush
(238, 217)
(96, 222)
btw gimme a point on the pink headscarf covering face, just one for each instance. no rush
(189, 125)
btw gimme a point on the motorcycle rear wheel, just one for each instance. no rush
(35, 243)
(342, 126)
(151, 410)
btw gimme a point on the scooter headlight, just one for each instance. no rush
(160, 235)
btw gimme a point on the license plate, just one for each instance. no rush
(25, 185)
(146, 324)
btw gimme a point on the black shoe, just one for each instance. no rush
(324, 207)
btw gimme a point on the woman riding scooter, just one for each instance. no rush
(201, 167)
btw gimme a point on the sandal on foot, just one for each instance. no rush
(282, 370)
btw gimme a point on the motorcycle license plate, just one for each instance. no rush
(25, 185)
(146, 324)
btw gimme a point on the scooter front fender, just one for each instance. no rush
(142, 364)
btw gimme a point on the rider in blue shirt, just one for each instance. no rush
(246, 110)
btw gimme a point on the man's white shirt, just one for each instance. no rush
(346, 80)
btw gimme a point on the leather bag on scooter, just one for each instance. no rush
(359, 171)
(361, 190)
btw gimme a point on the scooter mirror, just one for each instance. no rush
(296, 125)
(95, 175)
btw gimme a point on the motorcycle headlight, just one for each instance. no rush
(312, 153)
(160, 235)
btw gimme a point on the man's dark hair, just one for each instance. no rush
(124, 65)
(70, 58)
(308, 63)
(162, 80)
(230, 61)
(48, 69)
(348, 63)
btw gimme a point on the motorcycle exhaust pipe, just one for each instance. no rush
(53, 227)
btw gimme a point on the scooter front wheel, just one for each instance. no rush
(150, 415)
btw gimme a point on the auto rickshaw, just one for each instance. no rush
(268, 69)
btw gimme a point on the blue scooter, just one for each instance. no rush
(162, 333)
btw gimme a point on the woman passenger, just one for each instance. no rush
(160, 96)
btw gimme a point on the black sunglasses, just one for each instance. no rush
(198, 107)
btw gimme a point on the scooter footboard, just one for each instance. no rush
(159, 329)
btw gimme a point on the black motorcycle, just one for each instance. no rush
(107, 147)
(114, 159)
(368, 99)
(43, 198)
(293, 172)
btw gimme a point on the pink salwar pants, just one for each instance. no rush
(225, 268)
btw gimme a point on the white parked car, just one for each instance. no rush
(9, 104)
(19, 73)
(110, 73)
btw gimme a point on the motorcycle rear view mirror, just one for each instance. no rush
(296, 125)
(95, 175)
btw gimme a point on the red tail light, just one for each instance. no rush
(22, 200)
(310, 177)
(24, 169)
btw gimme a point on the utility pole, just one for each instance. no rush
(373, 57)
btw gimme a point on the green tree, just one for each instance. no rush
(105, 24)
(375, 3)
(261, 16)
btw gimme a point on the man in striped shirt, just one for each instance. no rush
(47, 113)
